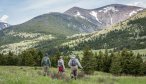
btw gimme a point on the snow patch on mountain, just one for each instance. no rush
(6, 25)
(135, 12)
(140, 9)
(111, 20)
(79, 15)
(3, 25)
(94, 14)
(110, 8)
(132, 13)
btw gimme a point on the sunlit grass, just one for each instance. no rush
(31, 75)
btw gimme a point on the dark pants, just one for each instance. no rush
(74, 72)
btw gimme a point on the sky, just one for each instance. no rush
(19, 11)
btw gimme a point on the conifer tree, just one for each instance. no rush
(39, 58)
(126, 61)
(144, 68)
(29, 59)
(10, 58)
(88, 61)
(116, 65)
(55, 58)
(2, 59)
(99, 61)
(106, 61)
(138, 62)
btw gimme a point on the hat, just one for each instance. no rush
(72, 56)
(61, 57)
(46, 54)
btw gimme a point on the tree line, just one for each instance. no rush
(30, 57)
(119, 63)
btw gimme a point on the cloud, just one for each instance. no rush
(4, 18)
(135, 3)
(140, 4)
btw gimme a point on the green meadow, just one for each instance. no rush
(32, 75)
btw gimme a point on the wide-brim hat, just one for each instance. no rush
(72, 56)
(46, 54)
(61, 57)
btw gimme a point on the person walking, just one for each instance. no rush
(74, 64)
(46, 63)
(61, 67)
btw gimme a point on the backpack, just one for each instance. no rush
(73, 62)
(45, 61)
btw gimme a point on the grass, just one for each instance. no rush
(141, 51)
(31, 75)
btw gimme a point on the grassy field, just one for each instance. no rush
(141, 51)
(31, 75)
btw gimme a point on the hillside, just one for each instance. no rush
(130, 34)
(55, 23)
(42, 30)
(48, 31)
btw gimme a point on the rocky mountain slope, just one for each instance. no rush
(130, 34)
(105, 16)
(3, 25)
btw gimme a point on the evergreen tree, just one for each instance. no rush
(88, 61)
(131, 64)
(116, 65)
(10, 58)
(29, 61)
(26, 58)
(144, 67)
(99, 61)
(39, 58)
(137, 69)
(2, 59)
(66, 60)
(106, 61)
(55, 58)
(126, 62)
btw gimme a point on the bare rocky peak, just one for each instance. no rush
(106, 15)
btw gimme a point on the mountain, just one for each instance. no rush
(41, 31)
(3, 25)
(130, 34)
(56, 23)
(51, 30)
(105, 16)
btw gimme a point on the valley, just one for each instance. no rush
(108, 39)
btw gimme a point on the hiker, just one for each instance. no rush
(73, 64)
(61, 67)
(46, 63)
